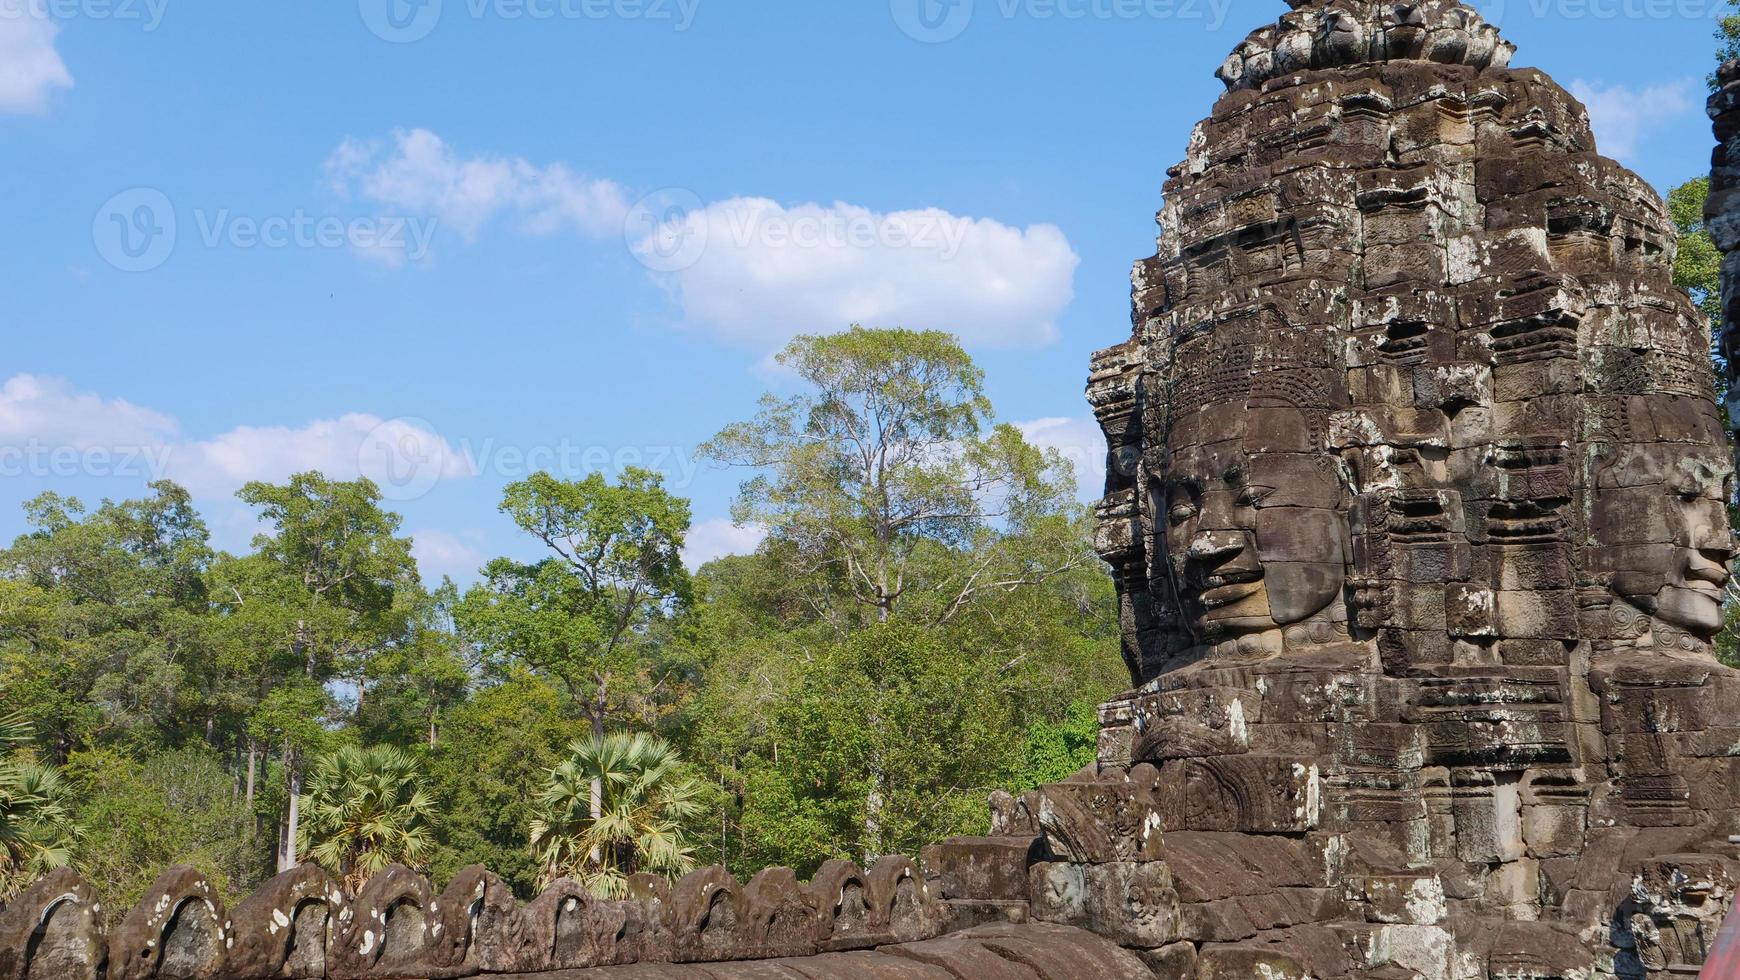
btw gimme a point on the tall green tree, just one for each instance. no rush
(366, 809)
(583, 616)
(487, 771)
(890, 496)
(884, 461)
(648, 797)
(334, 565)
(101, 622)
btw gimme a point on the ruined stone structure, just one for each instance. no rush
(1418, 510)
(1417, 506)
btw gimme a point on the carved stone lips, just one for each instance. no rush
(1710, 579)
(1226, 588)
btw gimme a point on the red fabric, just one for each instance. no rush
(1724, 960)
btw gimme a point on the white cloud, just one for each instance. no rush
(30, 67)
(1623, 116)
(441, 553)
(50, 428)
(404, 456)
(717, 538)
(49, 411)
(749, 270)
(421, 173)
(757, 273)
(1082, 444)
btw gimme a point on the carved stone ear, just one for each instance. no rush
(284, 928)
(390, 930)
(706, 917)
(180, 929)
(54, 928)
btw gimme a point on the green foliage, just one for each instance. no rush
(582, 616)
(924, 623)
(1698, 267)
(1728, 33)
(616, 806)
(37, 832)
(882, 464)
(99, 621)
(1058, 750)
(141, 816)
(366, 809)
(926, 592)
(486, 772)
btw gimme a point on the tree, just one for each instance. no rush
(889, 496)
(1729, 34)
(581, 616)
(648, 796)
(37, 832)
(883, 460)
(139, 816)
(366, 809)
(334, 567)
(417, 679)
(101, 622)
(487, 771)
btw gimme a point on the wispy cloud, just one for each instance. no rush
(1623, 116)
(747, 270)
(755, 272)
(1081, 444)
(49, 428)
(30, 68)
(715, 539)
(416, 171)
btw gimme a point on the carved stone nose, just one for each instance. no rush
(1215, 544)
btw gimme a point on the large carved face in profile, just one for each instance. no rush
(1254, 526)
(1659, 523)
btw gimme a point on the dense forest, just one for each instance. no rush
(925, 622)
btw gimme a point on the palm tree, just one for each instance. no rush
(37, 832)
(364, 811)
(646, 796)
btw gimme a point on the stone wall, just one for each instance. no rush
(303, 925)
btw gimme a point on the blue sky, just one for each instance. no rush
(447, 244)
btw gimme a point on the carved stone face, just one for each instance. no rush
(1660, 525)
(1253, 527)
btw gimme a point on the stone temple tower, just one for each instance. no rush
(1417, 504)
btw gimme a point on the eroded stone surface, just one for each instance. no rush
(1417, 505)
